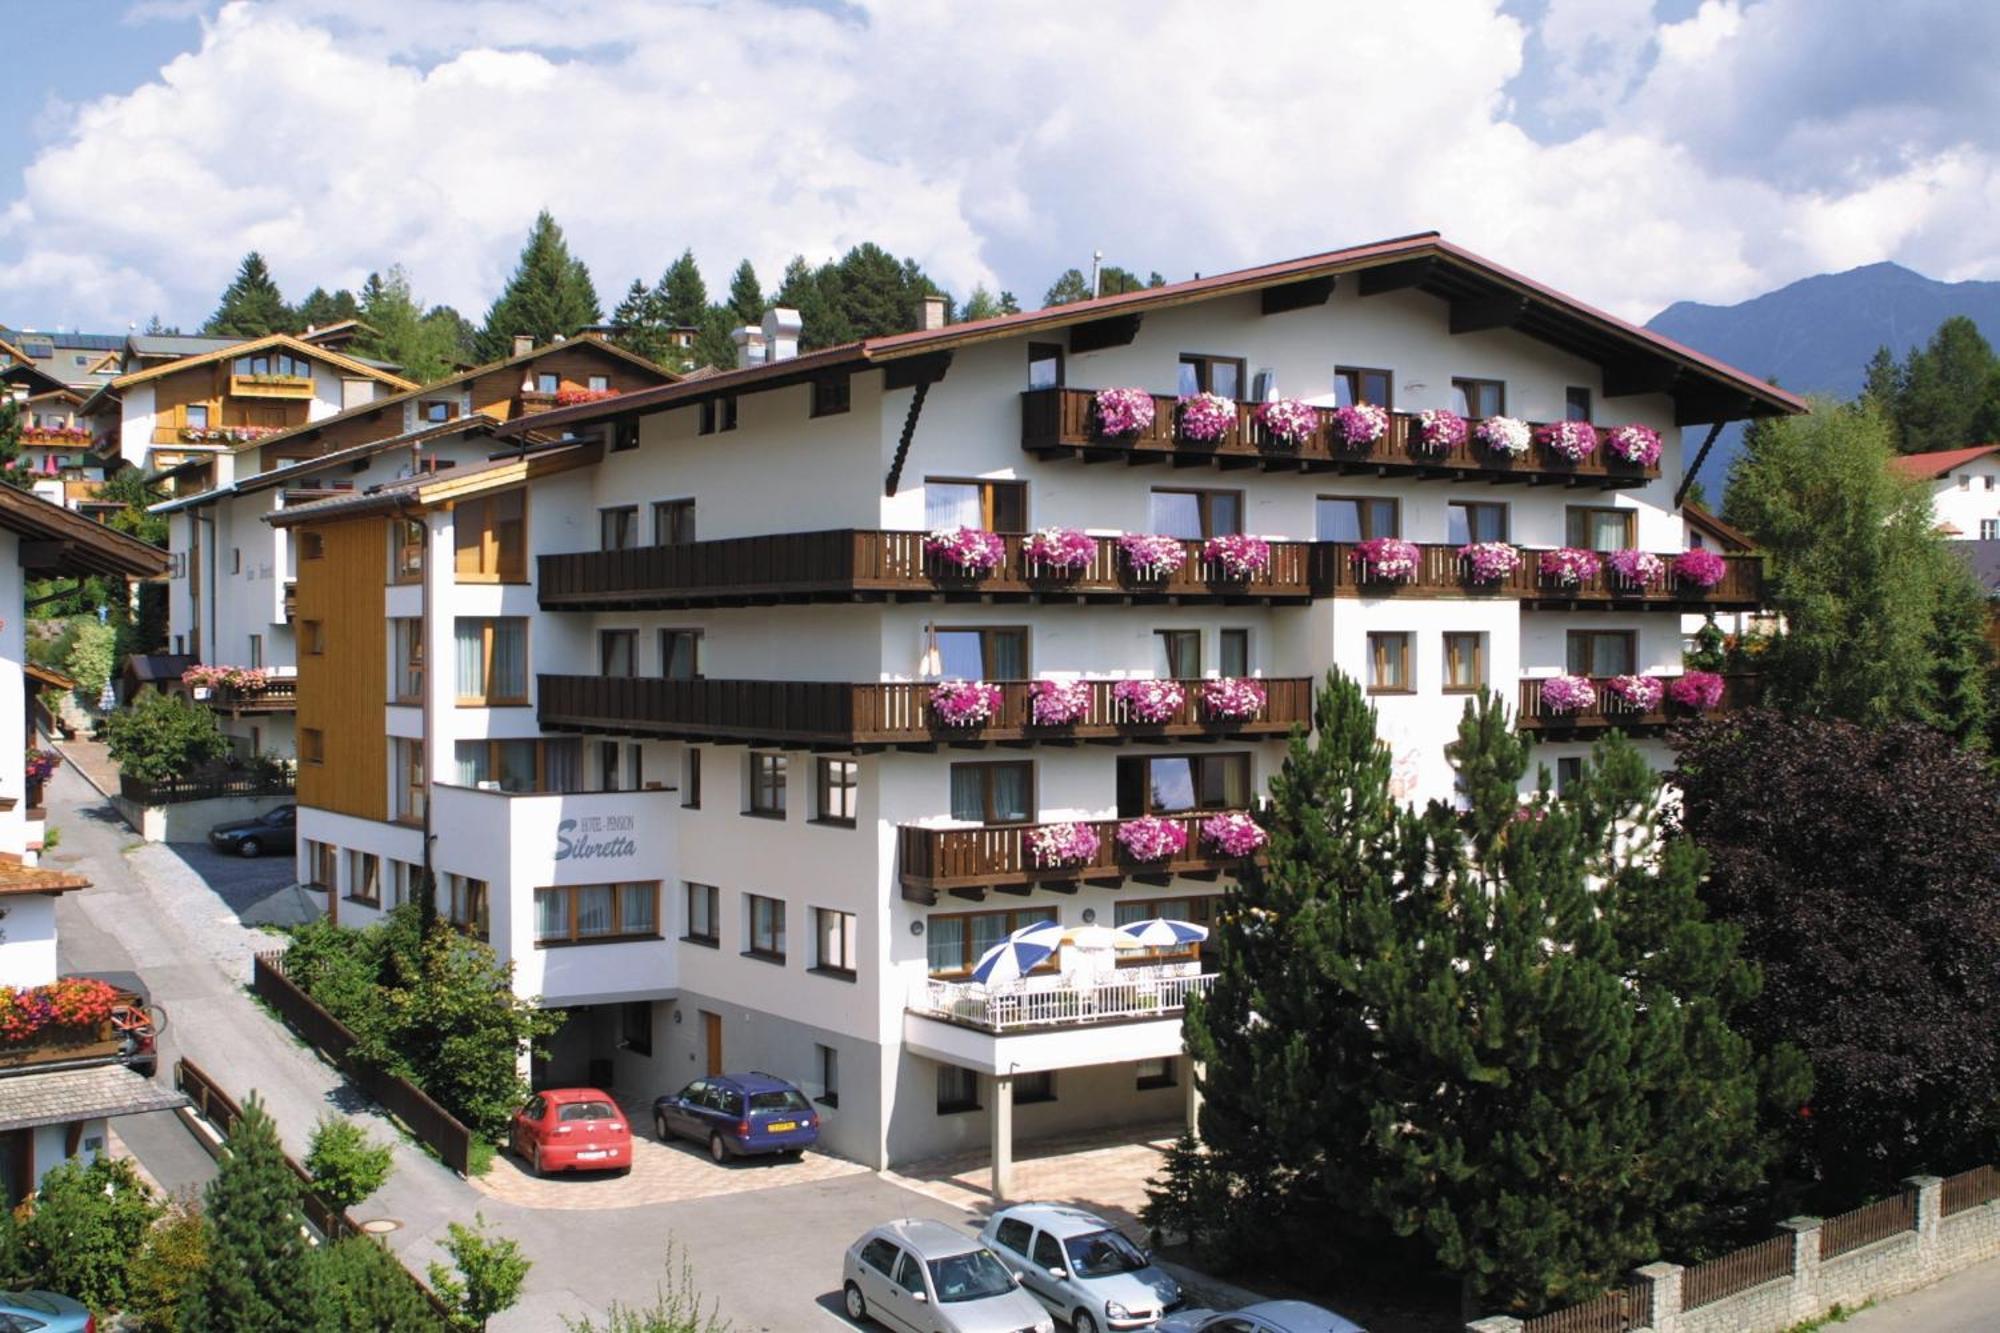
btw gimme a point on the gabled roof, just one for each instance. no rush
(173, 346)
(70, 545)
(436, 488)
(292, 472)
(1726, 533)
(1482, 295)
(236, 349)
(1924, 466)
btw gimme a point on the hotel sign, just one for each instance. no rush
(596, 838)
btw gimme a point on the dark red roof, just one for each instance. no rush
(1921, 466)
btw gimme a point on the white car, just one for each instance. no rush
(1081, 1267)
(918, 1276)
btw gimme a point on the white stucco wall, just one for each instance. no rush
(1968, 499)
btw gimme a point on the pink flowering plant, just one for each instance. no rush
(1232, 834)
(1569, 565)
(971, 550)
(1504, 435)
(1123, 412)
(1489, 562)
(1574, 440)
(1440, 429)
(1567, 694)
(1362, 423)
(1287, 420)
(1151, 555)
(1151, 838)
(1206, 417)
(1240, 556)
(1232, 699)
(1149, 700)
(1641, 694)
(1386, 559)
(1064, 549)
(1699, 690)
(965, 703)
(1638, 569)
(1059, 703)
(232, 677)
(40, 765)
(1053, 845)
(1634, 444)
(1700, 569)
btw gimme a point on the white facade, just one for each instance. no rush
(1966, 500)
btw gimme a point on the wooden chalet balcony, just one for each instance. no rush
(967, 862)
(1442, 573)
(854, 565)
(270, 386)
(1061, 423)
(876, 716)
(279, 694)
(1609, 711)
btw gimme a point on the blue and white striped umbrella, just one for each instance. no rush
(1162, 934)
(1012, 959)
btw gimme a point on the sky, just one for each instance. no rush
(1629, 152)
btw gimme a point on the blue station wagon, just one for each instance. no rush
(739, 1115)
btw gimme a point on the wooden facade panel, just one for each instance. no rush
(363, 429)
(495, 393)
(209, 385)
(342, 691)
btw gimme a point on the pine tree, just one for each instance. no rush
(255, 1281)
(1072, 286)
(461, 333)
(156, 328)
(746, 299)
(549, 295)
(680, 296)
(815, 294)
(712, 345)
(641, 329)
(1942, 386)
(251, 305)
(979, 305)
(1957, 694)
(1008, 305)
(321, 308)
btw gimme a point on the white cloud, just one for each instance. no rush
(996, 143)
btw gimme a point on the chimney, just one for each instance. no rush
(524, 343)
(930, 312)
(749, 342)
(781, 333)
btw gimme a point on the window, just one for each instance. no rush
(1199, 911)
(406, 550)
(407, 684)
(1177, 654)
(1597, 529)
(598, 383)
(1045, 365)
(1211, 374)
(717, 414)
(1576, 403)
(767, 927)
(702, 918)
(546, 382)
(490, 536)
(312, 745)
(269, 363)
(520, 765)
(312, 545)
(236, 560)
(635, 1026)
(1235, 645)
(1464, 662)
(831, 396)
(1161, 1072)
(1475, 521)
(881, 1255)
(1171, 784)
(1340, 518)
(1389, 664)
(618, 652)
(1569, 772)
(957, 1090)
(492, 659)
(1602, 652)
(323, 863)
(195, 416)
(1478, 398)
(829, 1075)
(680, 654)
(1197, 515)
(767, 784)
(411, 790)
(437, 411)
(1358, 384)
(993, 793)
(996, 506)
(1989, 529)
(364, 878)
(256, 650)
(673, 522)
(982, 654)
(618, 528)
(833, 938)
(586, 913)
(465, 904)
(839, 791)
(1039, 1086)
(691, 779)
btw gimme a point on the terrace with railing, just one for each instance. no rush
(277, 694)
(1608, 710)
(1049, 1002)
(967, 862)
(1442, 572)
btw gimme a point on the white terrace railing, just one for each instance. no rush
(1036, 1002)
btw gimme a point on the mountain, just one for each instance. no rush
(1817, 334)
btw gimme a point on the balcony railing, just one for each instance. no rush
(1441, 573)
(1062, 422)
(786, 712)
(279, 694)
(1037, 1002)
(270, 386)
(968, 861)
(849, 565)
(1609, 711)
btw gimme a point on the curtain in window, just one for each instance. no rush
(593, 909)
(951, 505)
(510, 659)
(636, 903)
(1007, 656)
(987, 931)
(1010, 793)
(563, 762)
(960, 654)
(470, 637)
(1177, 514)
(968, 794)
(516, 765)
(469, 759)
(551, 914)
(1607, 531)
(945, 943)
(1339, 521)
(701, 919)
(1235, 782)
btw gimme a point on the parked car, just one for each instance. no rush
(572, 1129)
(43, 1312)
(135, 1020)
(1080, 1267)
(925, 1277)
(739, 1115)
(1264, 1317)
(275, 830)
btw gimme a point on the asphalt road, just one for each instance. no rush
(241, 882)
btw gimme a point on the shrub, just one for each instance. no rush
(90, 658)
(159, 737)
(84, 1227)
(174, 1253)
(345, 1167)
(489, 1273)
(359, 1287)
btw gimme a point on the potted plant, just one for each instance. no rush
(1488, 562)
(1700, 568)
(1240, 556)
(1287, 421)
(1058, 550)
(1570, 440)
(1639, 445)
(1386, 560)
(1232, 699)
(1066, 844)
(1360, 425)
(1440, 430)
(1232, 834)
(1569, 566)
(969, 550)
(1641, 694)
(1151, 838)
(1122, 413)
(1149, 701)
(965, 703)
(1152, 556)
(1635, 570)
(1568, 694)
(1059, 703)
(1206, 417)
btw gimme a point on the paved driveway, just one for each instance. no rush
(677, 1172)
(244, 883)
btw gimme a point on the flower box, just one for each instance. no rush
(1149, 701)
(1569, 566)
(1052, 846)
(244, 679)
(1635, 569)
(1700, 569)
(1058, 703)
(1122, 413)
(1571, 440)
(570, 397)
(1060, 550)
(1641, 694)
(1639, 445)
(1386, 559)
(1206, 418)
(1232, 699)
(1240, 556)
(1698, 690)
(1360, 425)
(1509, 436)
(70, 1011)
(1287, 420)
(1568, 694)
(1152, 556)
(1489, 562)
(1233, 834)
(970, 550)
(1151, 838)
(965, 703)
(1439, 430)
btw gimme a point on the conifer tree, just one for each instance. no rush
(321, 308)
(680, 298)
(1072, 286)
(746, 297)
(256, 1279)
(641, 329)
(979, 305)
(251, 305)
(549, 295)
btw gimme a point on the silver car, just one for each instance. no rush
(918, 1276)
(1264, 1317)
(1081, 1267)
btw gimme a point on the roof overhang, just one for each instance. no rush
(443, 488)
(64, 1096)
(57, 542)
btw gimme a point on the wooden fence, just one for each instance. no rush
(1740, 1270)
(1867, 1224)
(428, 1121)
(1617, 1311)
(204, 786)
(1969, 1189)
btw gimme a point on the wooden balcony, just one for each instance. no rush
(1738, 693)
(836, 715)
(270, 386)
(279, 694)
(853, 566)
(1061, 423)
(1442, 573)
(967, 862)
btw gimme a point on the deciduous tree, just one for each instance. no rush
(489, 1273)
(86, 1223)
(345, 1167)
(158, 736)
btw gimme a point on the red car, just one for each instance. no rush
(572, 1129)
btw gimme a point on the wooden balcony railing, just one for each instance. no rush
(1443, 574)
(1609, 711)
(270, 386)
(849, 565)
(968, 861)
(1061, 422)
(866, 716)
(279, 694)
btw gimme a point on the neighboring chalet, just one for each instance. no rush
(746, 718)
(1964, 486)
